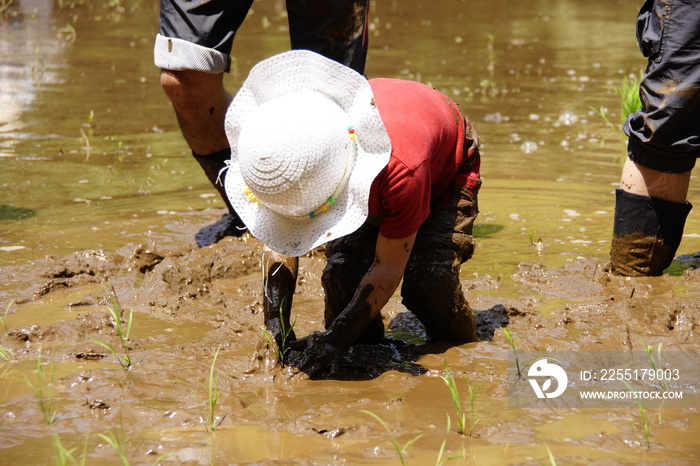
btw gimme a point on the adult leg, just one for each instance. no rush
(336, 29)
(644, 181)
(192, 50)
(347, 261)
(664, 141)
(646, 234)
(200, 103)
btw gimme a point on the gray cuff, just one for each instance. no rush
(177, 54)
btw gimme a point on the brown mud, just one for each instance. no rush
(188, 303)
(101, 200)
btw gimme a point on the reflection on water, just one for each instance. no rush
(89, 140)
(30, 55)
(91, 145)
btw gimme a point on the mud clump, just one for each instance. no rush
(188, 303)
(92, 266)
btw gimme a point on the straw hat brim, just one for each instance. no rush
(304, 70)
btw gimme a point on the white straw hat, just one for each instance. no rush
(306, 143)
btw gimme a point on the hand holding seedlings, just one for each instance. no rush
(279, 285)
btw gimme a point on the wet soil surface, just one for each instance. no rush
(191, 305)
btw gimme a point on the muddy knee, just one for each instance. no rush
(434, 294)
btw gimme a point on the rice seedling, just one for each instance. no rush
(402, 451)
(441, 451)
(550, 456)
(656, 363)
(472, 401)
(282, 348)
(5, 8)
(65, 457)
(116, 442)
(3, 319)
(630, 101)
(88, 146)
(6, 353)
(122, 331)
(629, 96)
(42, 386)
(646, 428)
(213, 421)
(488, 86)
(650, 355)
(538, 244)
(513, 345)
(491, 54)
(451, 383)
(6, 372)
(439, 461)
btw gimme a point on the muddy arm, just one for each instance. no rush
(280, 279)
(375, 289)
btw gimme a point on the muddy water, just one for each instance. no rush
(100, 198)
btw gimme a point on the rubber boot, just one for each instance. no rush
(646, 234)
(230, 224)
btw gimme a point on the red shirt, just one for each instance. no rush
(427, 136)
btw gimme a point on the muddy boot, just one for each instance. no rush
(646, 234)
(230, 224)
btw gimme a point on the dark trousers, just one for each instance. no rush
(431, 287)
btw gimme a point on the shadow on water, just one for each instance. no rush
(8, 212)
(485, 230)
(405, 344)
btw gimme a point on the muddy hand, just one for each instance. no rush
(316, 356)
(280, 283)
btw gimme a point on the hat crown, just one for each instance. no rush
(307, 152)
(294, 152)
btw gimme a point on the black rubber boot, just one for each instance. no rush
(646, 234)
(230, 224)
